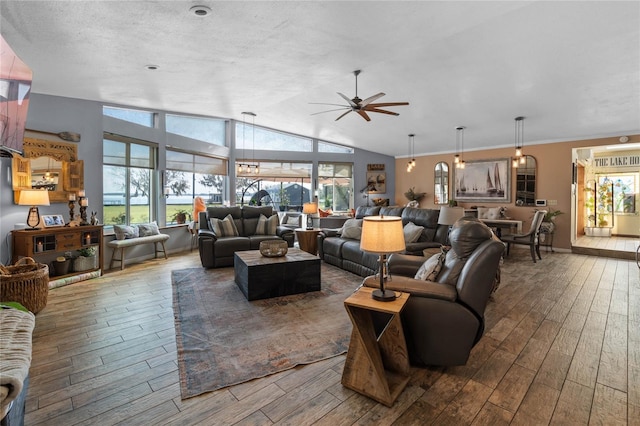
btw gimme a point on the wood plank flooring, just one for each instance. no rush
(561, 346)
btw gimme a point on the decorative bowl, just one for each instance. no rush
(273, 248)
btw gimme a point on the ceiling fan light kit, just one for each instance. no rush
(362, 106)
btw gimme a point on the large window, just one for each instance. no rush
(200, 128)
(143, 118)
(284, 186)
(267, 140)
(192, 175)
(335, 186)
(128, 190)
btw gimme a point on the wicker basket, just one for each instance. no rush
(273, 248)
(27, 283)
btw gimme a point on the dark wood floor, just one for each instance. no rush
(562, 346)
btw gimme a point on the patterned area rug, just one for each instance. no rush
(223, 339)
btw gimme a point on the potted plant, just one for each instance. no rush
(86, 260)
(414, 197)
(180, 216)
(548, 222)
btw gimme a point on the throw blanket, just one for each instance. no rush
(16, 328)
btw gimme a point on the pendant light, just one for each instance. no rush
(458, 160)
(519, 141)
(411, 163)
(253, 167)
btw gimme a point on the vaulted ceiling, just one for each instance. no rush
(571, 68)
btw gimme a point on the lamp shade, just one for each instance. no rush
(310, 208)
(450, 215)
(382, 234)
(33, 197)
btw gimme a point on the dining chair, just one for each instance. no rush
(530, 239)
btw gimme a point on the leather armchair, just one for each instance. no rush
(443, 320)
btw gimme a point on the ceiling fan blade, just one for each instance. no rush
(332, 110)
(349, 101)
(344, 114)
(324, 103)
(371, 99)
(382, 111)
(363, 114)
(386, 104)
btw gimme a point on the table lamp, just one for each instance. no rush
(33, 198)
(309, 209)
(448, 216)
(382, 235)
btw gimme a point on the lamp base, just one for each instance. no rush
(384, 295)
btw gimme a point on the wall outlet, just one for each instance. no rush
(552, 202)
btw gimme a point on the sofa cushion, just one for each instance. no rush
(225, 227)
(125, 231)
(352, 229)
(491, 213)
(292, 220)
(267, 226)
(412, 232)
(363, 211)
(431, 268)
(148, 229)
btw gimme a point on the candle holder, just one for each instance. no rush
(84, 202)
(72, 208)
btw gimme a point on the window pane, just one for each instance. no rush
(139, 187)
(184, 187)
(283, 195)
(203, 129)
(142, 118)
(267, 140)
(331, 147)
(335, 186)
(114, 210)
(141, 156)
(114, 152)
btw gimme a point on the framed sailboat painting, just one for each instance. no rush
(483, 180)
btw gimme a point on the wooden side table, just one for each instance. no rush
(376, 366)
(308, 239)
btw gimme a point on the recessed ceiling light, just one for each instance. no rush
(152, 67)
(200, 11)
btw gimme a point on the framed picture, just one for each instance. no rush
(376, 182)
(52, 220)
(483, 180)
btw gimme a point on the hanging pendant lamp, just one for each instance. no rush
(519, 141)
(458, 160)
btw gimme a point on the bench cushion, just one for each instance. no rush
(136, 241)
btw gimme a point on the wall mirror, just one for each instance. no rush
(441, 183)
(526, 181)
(49, 165)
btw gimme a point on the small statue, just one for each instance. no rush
(94, 218)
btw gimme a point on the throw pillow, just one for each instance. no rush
(124, 231)
(412, 232)
(225, 227)
(352, 229)
(147, 229)
(267, 226)
(431, 268)
(291, 220)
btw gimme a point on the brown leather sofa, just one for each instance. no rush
(216, 252)
(346, 254)
(443, 320)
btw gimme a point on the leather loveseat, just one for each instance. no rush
(443, 319)
(345, 253)
(217, 251)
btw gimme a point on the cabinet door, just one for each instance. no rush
(21, 177)
(73, 172)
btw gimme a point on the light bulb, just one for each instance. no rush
(518, 152)
(523, 160)
(514, 163)
(456, 159)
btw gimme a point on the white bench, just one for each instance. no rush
(130, 242)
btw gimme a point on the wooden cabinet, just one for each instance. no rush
(44, 245)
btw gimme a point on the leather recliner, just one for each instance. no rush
(443, 320)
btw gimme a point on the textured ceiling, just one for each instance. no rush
(571, 68)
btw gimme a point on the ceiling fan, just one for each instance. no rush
(361, 106)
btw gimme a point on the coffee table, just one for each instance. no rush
(260, 277)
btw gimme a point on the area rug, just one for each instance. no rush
(223, 339)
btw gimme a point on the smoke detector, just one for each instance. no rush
(200, 11)
(624, 139)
